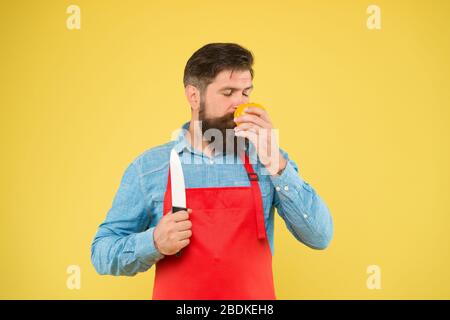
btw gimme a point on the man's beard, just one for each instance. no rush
(221, 130)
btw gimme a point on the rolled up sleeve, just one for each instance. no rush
(306, 215)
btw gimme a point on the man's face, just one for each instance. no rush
(221, 98)
(228, 90)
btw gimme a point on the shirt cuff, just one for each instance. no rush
(288, 179)
(145, 247)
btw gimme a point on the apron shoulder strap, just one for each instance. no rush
(257, 197)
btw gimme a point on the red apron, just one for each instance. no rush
(228, 257)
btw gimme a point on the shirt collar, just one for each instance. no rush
(181, 142)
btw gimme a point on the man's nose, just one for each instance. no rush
(238, 102)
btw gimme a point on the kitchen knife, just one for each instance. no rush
(177, 185)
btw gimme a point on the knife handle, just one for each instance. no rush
(176, 209)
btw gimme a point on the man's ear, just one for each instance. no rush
(193, 96)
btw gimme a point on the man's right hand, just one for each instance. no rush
(172, 232)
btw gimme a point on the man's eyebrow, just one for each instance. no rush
(234, 89)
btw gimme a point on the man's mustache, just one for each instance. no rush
(224, 122)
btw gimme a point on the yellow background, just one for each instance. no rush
(364, 113)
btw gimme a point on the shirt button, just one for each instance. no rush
(305, 216)
(286, 188)
(211, 161)
(277, 188)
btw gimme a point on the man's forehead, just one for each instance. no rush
(233, 78)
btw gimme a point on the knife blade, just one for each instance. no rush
(177, 183)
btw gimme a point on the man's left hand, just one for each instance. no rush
(255, 125)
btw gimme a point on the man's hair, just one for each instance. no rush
(211, 59)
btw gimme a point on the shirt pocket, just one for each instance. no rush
(266, 187)
(156, 207)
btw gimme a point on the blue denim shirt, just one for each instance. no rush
(124, 243)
